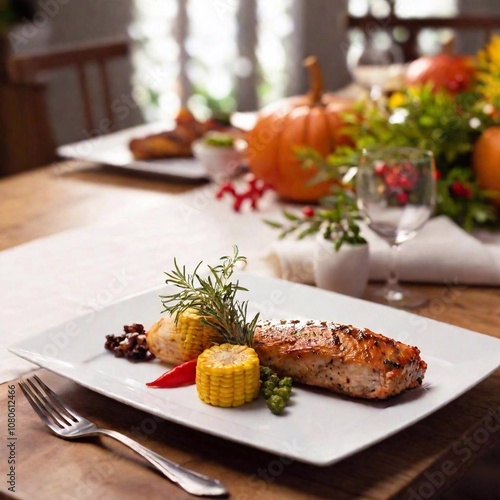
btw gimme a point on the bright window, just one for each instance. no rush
(211, 46)
(212, 64)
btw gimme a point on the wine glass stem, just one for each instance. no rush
(393, 280)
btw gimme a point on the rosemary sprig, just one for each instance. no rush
(214, 298)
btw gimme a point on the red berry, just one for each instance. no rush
(460, 190)
(437, 175)
(467, 192)
(225, 187)
(252, 180)
(393, 180)
(402, 197)
(381, 168)
(457, 84)
(455, 188)
(406, 183)
(308, 211)
(238, 200)
(253, 192)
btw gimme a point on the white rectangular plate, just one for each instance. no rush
(318, 427)
(112, 149)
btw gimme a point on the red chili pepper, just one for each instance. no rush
(178, 376)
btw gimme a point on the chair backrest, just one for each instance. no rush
(26, 68)
(486, 24)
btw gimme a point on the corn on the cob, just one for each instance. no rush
(195, 337)
(228, 375)
(175, 340)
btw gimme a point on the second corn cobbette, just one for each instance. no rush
(228, 375)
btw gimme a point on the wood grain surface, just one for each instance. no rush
(419, 462)
(69, 195)
(49, 467)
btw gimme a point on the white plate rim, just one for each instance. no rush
(20, 350)
(95, 150)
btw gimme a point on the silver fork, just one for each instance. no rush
(68, 424)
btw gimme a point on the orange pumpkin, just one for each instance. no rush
(312, 120)
(486, 160)
(444, 71)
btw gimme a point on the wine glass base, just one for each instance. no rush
(396, 296)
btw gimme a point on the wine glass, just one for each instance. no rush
(376, 63)
(396, 192)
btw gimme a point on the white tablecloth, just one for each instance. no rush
(51, 280)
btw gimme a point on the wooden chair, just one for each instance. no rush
(28, 89)
(487, 24)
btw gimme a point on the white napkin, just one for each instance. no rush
(440, 253)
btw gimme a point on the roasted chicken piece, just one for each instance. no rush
(174, 143)
(162, 145)
(344, 359)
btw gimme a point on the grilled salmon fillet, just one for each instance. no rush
(342, 358)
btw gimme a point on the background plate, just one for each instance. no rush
(112, 149)
(318, 427)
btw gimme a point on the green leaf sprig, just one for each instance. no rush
(336, 219)
(214, 298)
(475, 210)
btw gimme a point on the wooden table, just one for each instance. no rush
(416, 463)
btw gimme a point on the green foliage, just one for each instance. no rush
(219, 140)
(431, 120)
(421, 118)
(220, 108)
(336, 219)
(214, 298)
(467, 211)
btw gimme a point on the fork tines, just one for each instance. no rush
(47, 404)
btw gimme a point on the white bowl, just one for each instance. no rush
(220, 162)
(344, 271)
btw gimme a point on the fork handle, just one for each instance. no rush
(190, 481)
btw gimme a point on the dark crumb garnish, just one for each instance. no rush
(131, 345)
